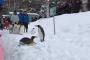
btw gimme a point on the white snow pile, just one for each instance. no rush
(71, 41)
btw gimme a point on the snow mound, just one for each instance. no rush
(71, 41)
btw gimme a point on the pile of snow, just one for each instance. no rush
(71, 41)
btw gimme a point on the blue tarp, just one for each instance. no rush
(1, 2)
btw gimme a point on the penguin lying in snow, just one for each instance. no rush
(27, 41)
(41, 33)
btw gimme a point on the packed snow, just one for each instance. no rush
(71, 41)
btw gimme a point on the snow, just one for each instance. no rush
(71, 41)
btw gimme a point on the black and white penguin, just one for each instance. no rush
(41, 33)
(27, 41)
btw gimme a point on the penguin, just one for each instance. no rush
(27, 41)
(41, 33)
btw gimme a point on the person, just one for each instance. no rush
(1, 49)
(76, 6)
(88, 5)
(6, 23)
(1, 23)
(24, 20)
(1, 4)
(14, 20)
(63, 8)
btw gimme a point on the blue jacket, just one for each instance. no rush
(23, 18)
(1, 2)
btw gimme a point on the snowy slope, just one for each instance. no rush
(71, 41)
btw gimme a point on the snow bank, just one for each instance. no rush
(71, 41)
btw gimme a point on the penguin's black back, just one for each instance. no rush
(42, 30)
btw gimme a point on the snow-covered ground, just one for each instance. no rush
(71, 41)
